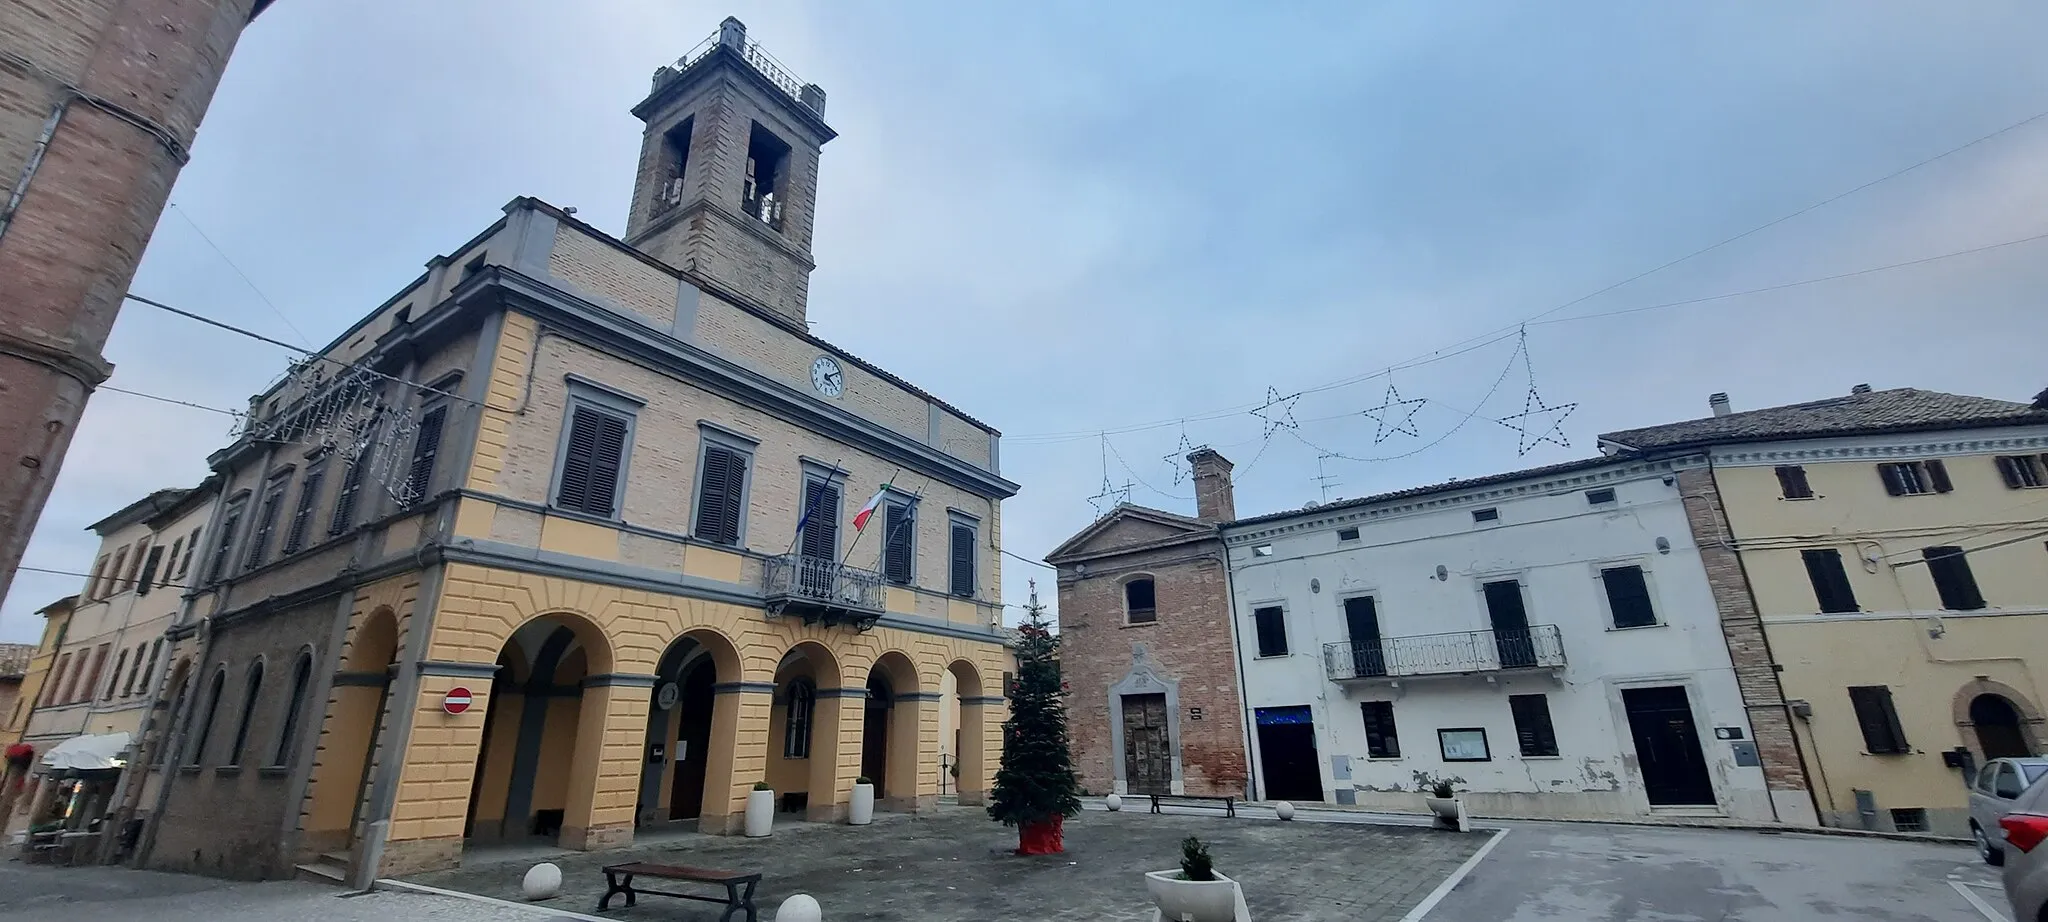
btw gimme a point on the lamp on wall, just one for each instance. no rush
(1442, 573)
(1663, 545)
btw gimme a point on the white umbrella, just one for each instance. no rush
(86, 753)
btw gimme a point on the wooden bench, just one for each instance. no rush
(618, 879)
(1229, 802)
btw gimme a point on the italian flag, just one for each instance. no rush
(860, 519)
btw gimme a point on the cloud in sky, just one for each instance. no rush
(1073, 217)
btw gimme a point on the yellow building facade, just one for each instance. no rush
(592, 565)
(1896, 546)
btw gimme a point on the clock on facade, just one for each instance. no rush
(826, 377)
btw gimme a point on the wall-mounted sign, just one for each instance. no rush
(1194, 713)
(1463, 745)
(1727, 733)
(666, 697)
(456, 701)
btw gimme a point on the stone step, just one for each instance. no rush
(331, 868)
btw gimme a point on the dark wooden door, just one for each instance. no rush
(1997, 724)
(874, 735)
(1148, 752)
(686, 791)
(1362, 621)
(1510, 624)
(1287, 754)
(1668, 746)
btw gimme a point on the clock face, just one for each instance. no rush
(826, 377)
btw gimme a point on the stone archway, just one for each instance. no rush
(691, 738)
(802, 753)
(356, 712)
(538, 759)
(971, 732)
(1994, 719)
(892, 722)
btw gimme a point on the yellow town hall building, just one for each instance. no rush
(608, 487)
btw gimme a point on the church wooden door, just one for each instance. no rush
(1148, 756)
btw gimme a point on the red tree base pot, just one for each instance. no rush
(1041, 837)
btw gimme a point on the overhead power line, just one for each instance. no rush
(1511, 329)
(246, 280)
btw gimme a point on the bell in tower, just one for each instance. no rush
(728, 179)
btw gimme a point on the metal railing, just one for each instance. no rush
(749, 51)
(822, 583)
(1538, 646)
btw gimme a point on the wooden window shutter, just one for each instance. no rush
(591, 462)
(899, 541)
(711, 493)
(735, 501)
(426, 446)
(963, 560)
(1938, 472)
(821, 520)
(2009, 468)
(345, 501)
(577, 459)
(1878, 719)
(302, 514)
(156, 556)
(1893, 483)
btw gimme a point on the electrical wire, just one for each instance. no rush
(246, 280)
(172, 400)
(1511, 329)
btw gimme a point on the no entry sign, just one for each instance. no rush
(457, 700)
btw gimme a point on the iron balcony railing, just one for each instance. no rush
(821, 589)
(1535, 647)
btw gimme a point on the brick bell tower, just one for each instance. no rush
(728, 178)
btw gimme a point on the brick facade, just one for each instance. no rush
(1189, 645)
(1755, 672)
(95, 176)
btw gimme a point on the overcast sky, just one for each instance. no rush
(1074, 217)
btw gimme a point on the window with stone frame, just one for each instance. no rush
(764, 194)
(1140, 601)
(899, 542)
(797, 718)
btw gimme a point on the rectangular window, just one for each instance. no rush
(961, 557)
(1909, 819)
(344, 517)
(1914, 478)
(135, 670)
(114, 679)
(266, 520)
(1879, 721)
(99, 578)
(762, 195)
(1141, 604)
(224, 546)
(1830, 581)
(52, 694)
(1628, 596)
(1381, 742)
(426, 447)
(302, 513)
(2024, 472)
(148, 579)
(191, 546)
(721, 494)
(819, 526)
(171, 563)
(1532, 724)
(84, 690)
(1952, 578)
(1347, 534)
(593, 453)
(135, 563)
(899, 542)
(1600, 497)
(115, 585)
(1792, 482)
(1485, 515)
(156, 649)
(1270, 624)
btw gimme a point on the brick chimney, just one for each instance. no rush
(1213, 499)
(1719, 403)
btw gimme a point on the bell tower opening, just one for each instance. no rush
(728, 174)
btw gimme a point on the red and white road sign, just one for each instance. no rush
(457, 700)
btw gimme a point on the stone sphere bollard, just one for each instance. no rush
(1114, 802)
(543, 882)
(799, 908)
(1284, 810)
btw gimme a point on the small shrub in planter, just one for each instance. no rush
(1196, 892)
(1195, 863)
(763, 786)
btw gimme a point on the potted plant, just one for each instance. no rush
(860, 811)
(760, 810)
(1195, 893)
(1443, 801)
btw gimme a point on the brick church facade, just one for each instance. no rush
(1148, 650)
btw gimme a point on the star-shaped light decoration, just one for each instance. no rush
(1178, 460)
(1383, 424)
(1111, 496)
(1534, 412)
(1278, 412)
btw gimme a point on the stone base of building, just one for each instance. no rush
(922, 803)
(413, 856)
(972, 798)
(1749, 806)
(826, 813)
(590, 839)
(1795, 808)
(728, 824)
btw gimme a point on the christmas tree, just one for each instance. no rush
(1035, 789)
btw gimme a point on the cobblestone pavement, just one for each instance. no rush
(47, 894)
(957, 865)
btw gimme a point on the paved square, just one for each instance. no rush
(957, 865)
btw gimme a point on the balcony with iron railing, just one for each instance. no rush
(1538, 646)
(823, 591)
(731, 37)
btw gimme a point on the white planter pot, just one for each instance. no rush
(1447, 809)
(860, 811)
(1114, 802)
(760, 813)
(1218, 900)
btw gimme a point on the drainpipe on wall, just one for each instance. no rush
(1251, 776)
